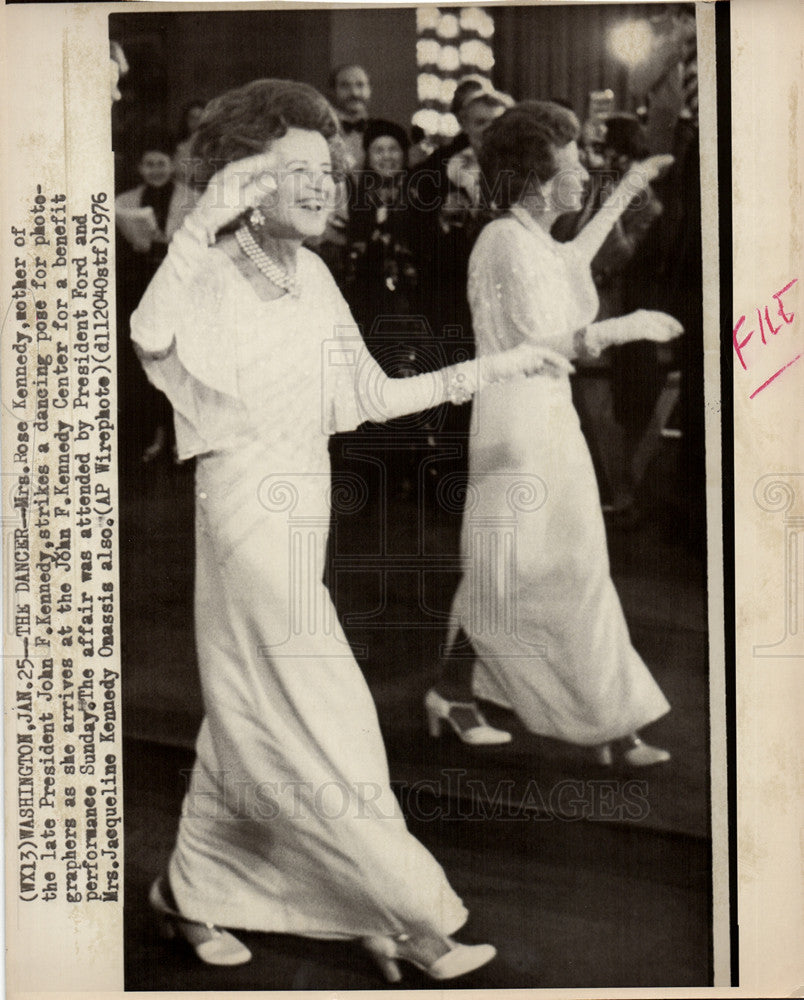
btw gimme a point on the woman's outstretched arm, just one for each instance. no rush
(368, 394)
(633, 185)
(396, 397)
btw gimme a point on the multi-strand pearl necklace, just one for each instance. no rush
(266, 265)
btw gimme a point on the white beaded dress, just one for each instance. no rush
(536, 599)
(289, 823)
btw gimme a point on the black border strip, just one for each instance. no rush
(723, 64)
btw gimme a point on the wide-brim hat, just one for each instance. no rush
(378, 128)
(484, 91)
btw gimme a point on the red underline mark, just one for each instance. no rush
(775, 375)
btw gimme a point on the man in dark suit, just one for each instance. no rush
(350, 89)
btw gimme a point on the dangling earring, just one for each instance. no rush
(256, 219)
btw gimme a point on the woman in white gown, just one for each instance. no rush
(537, 611)
(289, 824)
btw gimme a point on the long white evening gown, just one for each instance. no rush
(289, 823)
(536, 598)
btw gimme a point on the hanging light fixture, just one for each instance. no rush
(449, 60)
(451, 44)
(427, 50)
(448, 26)
(428, 86)
(428, 120)
(427, 19)
(631, 42)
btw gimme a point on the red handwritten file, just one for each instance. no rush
(766, 327)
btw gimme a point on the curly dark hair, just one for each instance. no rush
(521, 144)
(241, 122)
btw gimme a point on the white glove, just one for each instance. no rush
(524, 359)
(239, 186)
(641, 173)
(654, 166)
(644, 324)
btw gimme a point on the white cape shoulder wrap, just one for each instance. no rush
(182, 306)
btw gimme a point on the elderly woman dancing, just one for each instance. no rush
(539, 617)
(289, 824)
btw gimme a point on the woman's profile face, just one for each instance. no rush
(300, 186)
(385, 155)
(476, 118)
(565, 190)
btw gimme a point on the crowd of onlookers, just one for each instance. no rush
(398, 245)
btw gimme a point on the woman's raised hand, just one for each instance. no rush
(239, 186)
(644, 324)
(653, 166)
(525, 359)
(656, 326)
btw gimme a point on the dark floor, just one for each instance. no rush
(605, 882)
(567, 903)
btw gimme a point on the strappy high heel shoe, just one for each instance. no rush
(630, 750)
(210, 943)
(464, 718)
(457, 960)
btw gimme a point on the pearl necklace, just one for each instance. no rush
(266, 265)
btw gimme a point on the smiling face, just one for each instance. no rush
(352, 92)
(156, 168)
(304, 195)
(385, 155)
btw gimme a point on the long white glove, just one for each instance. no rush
(382, 398)
(634, 183)
(525, 359)
(644, 324)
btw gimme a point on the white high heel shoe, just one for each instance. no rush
(477, 733)
(210, 943)
(631, 750)
(457, 960)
